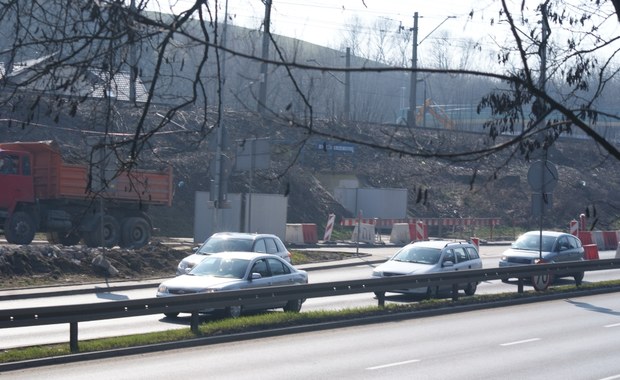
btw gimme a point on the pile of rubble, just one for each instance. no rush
(49, 263)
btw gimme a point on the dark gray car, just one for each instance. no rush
(557, 247)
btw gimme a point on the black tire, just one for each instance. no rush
(470, 289)
(429, 293)
(171, 315)
(293, 306)
(111, 233)
(64, 238)
(578, 278)
(135, 232)
(233, 311)
(20, 228)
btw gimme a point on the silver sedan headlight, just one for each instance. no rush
(377, 273)
(162, 289)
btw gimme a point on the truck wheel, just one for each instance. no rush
(111, 233)
(136, 233)
(20, 228)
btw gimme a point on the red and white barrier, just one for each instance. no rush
(573, 227)
(301, 233)
(329, 227)
(476, 242)
(418, 231)
(604, 240)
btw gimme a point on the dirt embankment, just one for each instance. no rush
(47, 264)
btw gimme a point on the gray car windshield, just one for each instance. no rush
(532, 243)
(419, 255)
(215, 245)
(221, 267)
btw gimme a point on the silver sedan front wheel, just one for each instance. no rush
(233, 311)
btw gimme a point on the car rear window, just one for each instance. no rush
(271, 246)
(473, 254)
(259, 246)
(461, 255)
(217, 244)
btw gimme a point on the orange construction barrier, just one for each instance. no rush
(591, 252)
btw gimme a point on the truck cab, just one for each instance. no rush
(16, 193)
(15, 179)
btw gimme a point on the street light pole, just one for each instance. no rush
(414, 74)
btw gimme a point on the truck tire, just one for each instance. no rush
(135, 232)
(64, 238)
(111, 233)
(20, 228)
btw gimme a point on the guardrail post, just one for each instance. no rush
(380, 298)
(194, 322)
(519, 285)
(73, 336)
(455, 292)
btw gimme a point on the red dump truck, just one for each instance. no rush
(41, 193)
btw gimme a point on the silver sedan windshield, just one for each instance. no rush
(221, 267)
(419, 255)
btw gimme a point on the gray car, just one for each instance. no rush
(233, 271)
(556, 247)
(427, 257)
(235, 241)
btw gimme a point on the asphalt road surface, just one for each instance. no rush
(28, 336)
(565, 339)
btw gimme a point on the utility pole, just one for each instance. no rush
(219, 188)
(262, 94)
(542, 110)
(414, 74)
(347, 87)
(133, 70)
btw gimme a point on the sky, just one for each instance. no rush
(324, 22)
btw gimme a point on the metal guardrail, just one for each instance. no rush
(193, 303)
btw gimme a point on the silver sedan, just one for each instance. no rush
(233, 271)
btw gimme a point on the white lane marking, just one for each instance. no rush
(611, 377)
(520, 342)
(613, 325)
(393, 364)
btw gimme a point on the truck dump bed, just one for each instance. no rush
(54, 179)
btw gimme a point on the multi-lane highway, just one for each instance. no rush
(565, 339)
(19, 337)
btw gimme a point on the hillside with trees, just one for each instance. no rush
(181, 89)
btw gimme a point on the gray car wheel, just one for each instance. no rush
(293, 306)
(470, 289)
